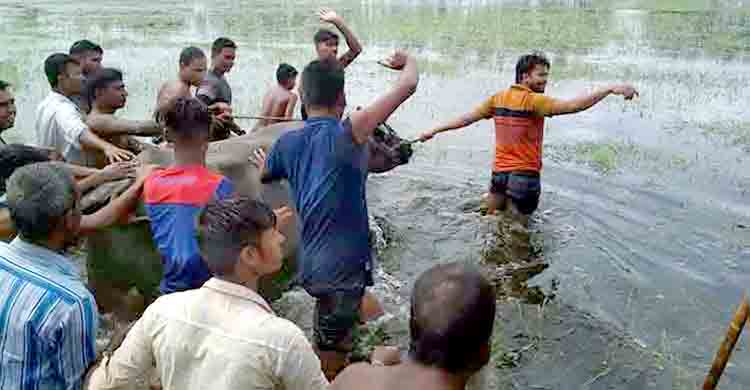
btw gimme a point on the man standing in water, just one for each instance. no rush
(108, 94)
(519, 114)
(279, 102)
(327, 45)
(216, 92)
(326, 165)
(192, 69)
(89, 55)
(7, 109)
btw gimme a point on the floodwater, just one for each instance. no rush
(643, 220)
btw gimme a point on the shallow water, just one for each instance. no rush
(643, 217)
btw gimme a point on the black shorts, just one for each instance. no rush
(336, 315)
(522, 188)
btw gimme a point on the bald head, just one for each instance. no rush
(452, 315)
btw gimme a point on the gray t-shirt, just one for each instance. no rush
(214, 89)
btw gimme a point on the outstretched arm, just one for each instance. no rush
(581, 103)
(458, 123)
(366, 120)
(355, 48)
(113, 153)
(108, 125)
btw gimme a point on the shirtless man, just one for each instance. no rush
(108, 94)
(327, 44)
(452, 318)
(279, 102)
(192, 70)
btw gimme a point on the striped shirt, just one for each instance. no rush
(48, 320)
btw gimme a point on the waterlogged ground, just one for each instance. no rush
(643, 222)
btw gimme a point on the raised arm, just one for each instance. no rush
(584, 102)
(366, 120)
(108, 125)
(330, 16)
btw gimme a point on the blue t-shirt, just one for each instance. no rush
(327, 172)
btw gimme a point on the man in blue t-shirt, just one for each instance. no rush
(325, 164)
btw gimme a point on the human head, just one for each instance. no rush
(7, 107)
(192, 65)
(323, 85)
(64, 74)
(532, 71)
(88, 54)
(452, 315)
(189, 121)
(286, 76)
(238, 237)
(223, 53)
(44, 204)
(106, 89)
(14, 156)
(326, 44)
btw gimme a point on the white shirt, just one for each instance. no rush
(59, 125)
(220, 336)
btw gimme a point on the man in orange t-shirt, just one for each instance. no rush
(519, 113)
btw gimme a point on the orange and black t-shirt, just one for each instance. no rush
(519, 127)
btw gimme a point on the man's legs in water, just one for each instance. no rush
(336, 315)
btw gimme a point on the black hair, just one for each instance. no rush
(452, 316)
(325, 35)
(14, 156)
(323, 82)
(55, 65)
(83, 46)
(188, 117)
(285, 72)
(4, 85)
(188, 54)
(527, 63)
(221, 43)
(226, 226)
(101, 79)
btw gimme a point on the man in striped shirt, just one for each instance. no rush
(48, 319)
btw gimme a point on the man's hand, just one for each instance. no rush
(625, 90)
(115, 154)
(396, 61)
(283, 216)
(258, 158)
(426, 136)
(119, 170)
(329, 16)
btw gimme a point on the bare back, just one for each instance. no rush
(405, 376)
(169, 93)
(279, 103)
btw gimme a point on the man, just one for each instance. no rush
(326, 166)
(192, 69)
(15, 156)
(7, 109)
(223, 335)
(49, 322)
(452, 316)
(108, 94)
(519, 114)
(59, 123)
(327, 44)
(279, 102)
(173, 197)
(215, 91)
(89, 55)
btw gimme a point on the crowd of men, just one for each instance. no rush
(210, 328)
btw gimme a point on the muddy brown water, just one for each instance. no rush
(643, 221)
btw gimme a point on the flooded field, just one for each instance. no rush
(644, 222)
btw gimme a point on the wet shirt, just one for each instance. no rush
(519, 127)
(173, 199)
(327, 172)
(48, 319)
(59, 125)
(222, 336)
(214, 89)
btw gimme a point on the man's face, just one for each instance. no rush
(71, 80)
(91, 62)
(291, 83)
(328, 49)
(7, 110)
(113, 95)
(194, 72)
(536, 79)
(224, 61)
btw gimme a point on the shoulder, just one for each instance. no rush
(354, 376)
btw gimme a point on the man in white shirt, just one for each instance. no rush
(59, 122)
(223, 335)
